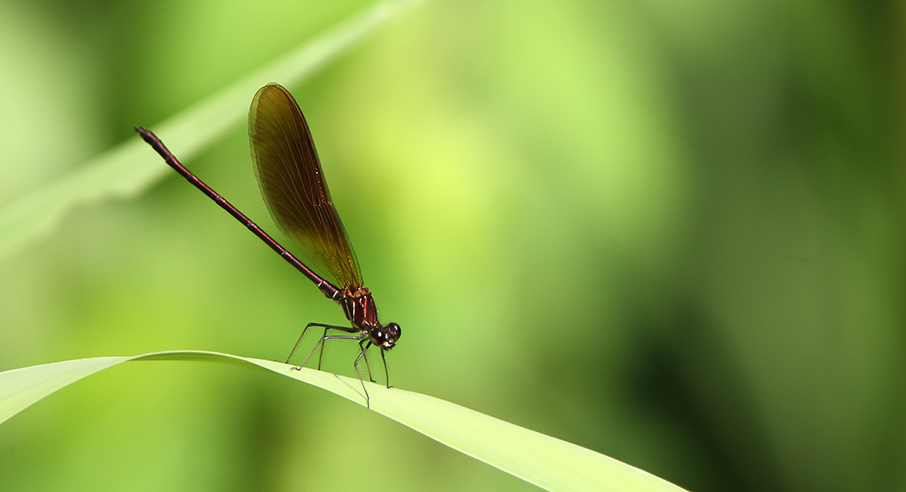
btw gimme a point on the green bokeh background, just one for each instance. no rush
(671, 232)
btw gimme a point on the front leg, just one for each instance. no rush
(364, 349)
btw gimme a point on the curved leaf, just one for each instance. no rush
(536, 458)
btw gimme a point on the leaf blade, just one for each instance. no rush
(543, 460)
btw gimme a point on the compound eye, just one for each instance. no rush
(393, 332)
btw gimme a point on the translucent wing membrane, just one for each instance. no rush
(293, 186)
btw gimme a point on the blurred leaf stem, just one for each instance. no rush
(128, 169)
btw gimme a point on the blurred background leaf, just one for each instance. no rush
(128, 169)
(692, 207)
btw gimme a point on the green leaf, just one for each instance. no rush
(129, 168)
(536, 458)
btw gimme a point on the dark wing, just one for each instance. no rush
(293, 186)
